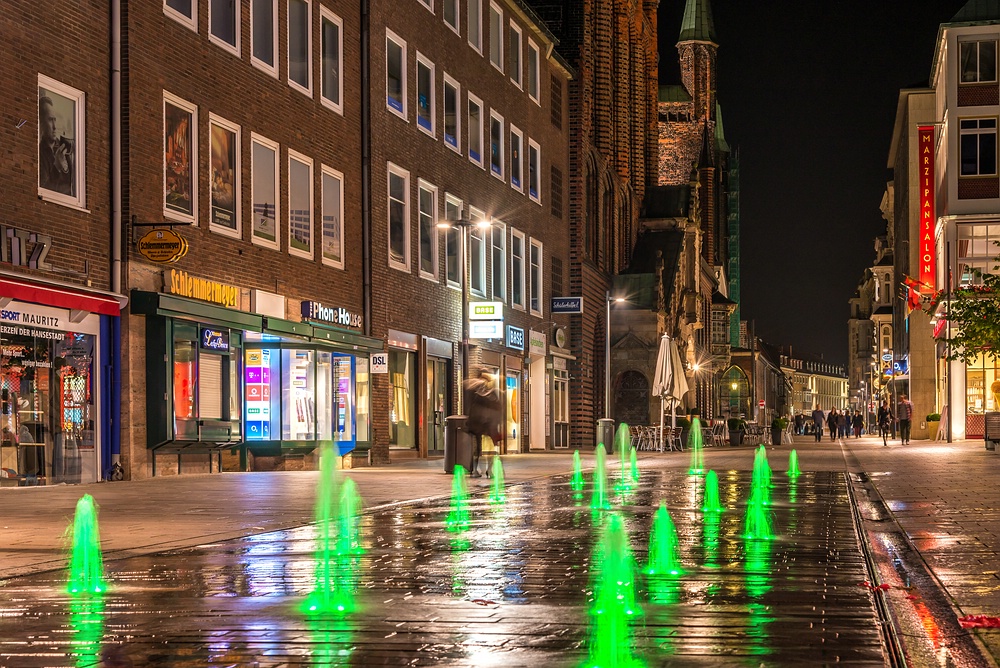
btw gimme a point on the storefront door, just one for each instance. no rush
(513, 397)
(403, 404)
(435, 404)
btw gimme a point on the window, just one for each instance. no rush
(516, 160)
(477, 255)
(266, 186)
(498, 232)
(496, 36)
(224, 24)
(496, 144)
(533, 74)
(184, 11)
(556, 192)
(515, 54)
(331, 59)
(979, 146)
(555, 101)
(429, 4)
(452, 117)
(399, 218)
(476, 25)
(475, 130)
(449, 10)
(534, 192)
(300, 205)
(425, 95)
(180, 158)
(428, 242)
(453, 242)
(395, 73)
(224, 177)
(332, 223)
(535, 277)
(977, 248)
(264, 35)
(978, 61)
(62, 163)
(300, 45)
(516, 269)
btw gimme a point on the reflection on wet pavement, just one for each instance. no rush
(513, 589)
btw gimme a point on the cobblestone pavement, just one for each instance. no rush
(176, 564)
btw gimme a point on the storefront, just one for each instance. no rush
(256, 381)
(57, 352)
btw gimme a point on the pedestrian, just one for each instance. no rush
(842, 424)
(831, 423)
(818, 423)
(485, 412)
(905, 418)
(884, 417)
(858, 423)
(798, 424)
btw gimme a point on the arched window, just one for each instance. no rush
(632, 398)
(592, 214)
(734, 395)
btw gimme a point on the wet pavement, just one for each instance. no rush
(515, 588)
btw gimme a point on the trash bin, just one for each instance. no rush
(458, 444)
(606, 433)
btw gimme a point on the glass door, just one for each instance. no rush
(513, 435)
(436, 404)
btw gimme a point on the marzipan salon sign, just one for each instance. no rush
(163, 246)
(928, 218)
(184, 285)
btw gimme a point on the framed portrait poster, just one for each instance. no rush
(180, 157)
(224, 193)
(264, 199)
(61, 123)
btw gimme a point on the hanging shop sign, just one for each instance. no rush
(928, 258)
(164, 246)
(486, 311)
(566, 305)
(486, 329)
(560, 337)
(214, 339)
(515, 337)
(331, 314)
(536, 343)
(181, 283)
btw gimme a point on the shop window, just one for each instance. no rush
(262, 387)
(298, 392)
(206, 397)
(300, 45)
(363, 400)
(402, 411)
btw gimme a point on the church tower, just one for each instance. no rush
(698, 53)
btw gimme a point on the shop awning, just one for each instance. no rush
(62, 295)
(158, 303)
(352, 339)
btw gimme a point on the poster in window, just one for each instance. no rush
(178, 164)
(265, 197)
(332, 220)
(58, 156)
(224, 175)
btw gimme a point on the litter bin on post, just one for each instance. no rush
(606, 433)
(992, 430)
(458, 444)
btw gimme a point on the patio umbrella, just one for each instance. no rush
(669, 381)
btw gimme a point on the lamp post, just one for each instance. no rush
(607, 353)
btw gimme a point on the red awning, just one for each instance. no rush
(61, 297)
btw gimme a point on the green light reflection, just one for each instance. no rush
(332, 642)
(86, 620)
(757, 566)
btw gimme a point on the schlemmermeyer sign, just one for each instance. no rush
(928, 270)
(331, 314)
(181, 283)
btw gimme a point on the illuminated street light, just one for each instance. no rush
(464, 224)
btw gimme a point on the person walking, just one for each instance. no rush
(842, 423)
(485, 410)
(818, 419)
(905, 418)
(831, 424)
(798, 424)
(858, 423)
(884, 417)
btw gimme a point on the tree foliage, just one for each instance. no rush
(973, 315)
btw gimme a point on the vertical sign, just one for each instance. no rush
(928, 219)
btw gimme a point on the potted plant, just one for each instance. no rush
(736, 428)
(778, 425)
(685, 426)
(933, 422)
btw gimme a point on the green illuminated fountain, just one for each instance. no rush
(614, 607)
(757, 523)
(497, 493)
(760, 489)
(710, 540)
(599, 495)
(695, 445)
(348, 515)
(576, 482)
(622, 446)
(634, 464)
(458, 517)
(664, 546)
(86, 564)
(793, 464)
(712, 504)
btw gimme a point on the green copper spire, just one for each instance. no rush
(697, 25)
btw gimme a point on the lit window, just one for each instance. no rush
(224, 177)
(477, 256)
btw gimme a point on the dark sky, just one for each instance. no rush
(808, 92)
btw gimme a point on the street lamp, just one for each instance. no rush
(607, 353)
(463, 224)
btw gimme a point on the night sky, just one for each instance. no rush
(808, 92)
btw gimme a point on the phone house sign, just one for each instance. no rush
(332, 314)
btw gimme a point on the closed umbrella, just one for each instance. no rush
(669, 381)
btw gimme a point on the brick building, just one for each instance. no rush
(469, 124)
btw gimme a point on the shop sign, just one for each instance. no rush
(536, 342)
(163, 246)
(486, 311)
(379, 363)
(567, 305)
(928, 259)
(181, 283)
(22, 248)
(887, 357)
(214, 339)
(515, 337)
(486, 329)
(331, 314)
(22, 318)
(560, 337)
